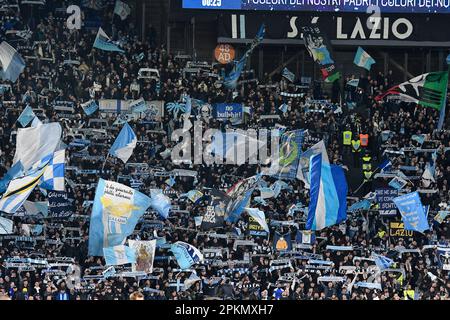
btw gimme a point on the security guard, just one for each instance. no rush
(356, 149)
(367, 166)
(364, 140)
(347, 138)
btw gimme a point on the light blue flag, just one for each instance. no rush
(53, 178)
(368, 285)
(13, 172)
(115, 213)
(230, 81)
(288, 75)
(26, 116)
(12, 64)
(239, 207)
(186, 254)
(328, 193)
(353, 82)
(420, 138)
(125, 143)
(118, 255)
(89, 107)
(103, 42)
(363, 59)
(383, 262)
(289, 155)
(360, 205)
(283, 108)
(412, 212)
(259, 216)
(160, 203)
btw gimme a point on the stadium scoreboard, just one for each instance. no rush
(355, 6)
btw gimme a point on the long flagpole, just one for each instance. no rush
(442, 114)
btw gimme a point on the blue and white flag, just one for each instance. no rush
(428, 175)
(26, 116)
(115, 213)
(398, 183)
(328, 193)
(412, 212)
(283, 108)
(288, 75)
(383, 262)
(35, 143)
(368, 285)
(103, 42)
(6, 226)
(353, 82)
(193, 195)
(385, 165)
(122, 9)
(420, 138)
(125, 143)
(161, 204)
(138, 106)
(305, 237)
(13, 172)
(89, 107)
(118, 255)
(259, 216)
(186, 254)
(303, 171)
(363, 59)
(230, 80)
(19, 189)
(53, 178)
(11, 63)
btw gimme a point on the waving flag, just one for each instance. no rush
(186, 254)
(6, 226)
(13, 172)
(259, 216)
(89, 107)
(35, 143)
(383, 262)
(288, 75)
(125, 143)
(412, 211)
(19, 189)
(328, 205)
(118, 255)
(11, 63)
(122, 9)
(428, 175)
(360, 205)
(428, 90)
(161, 204)
(303, 171)
(103, 42)
(353, 82)
(26, 116)
(240, 194)
(116, 211)
(363, 59)
(145, 255)
(305, 237)
(53, 178)
(286, 166)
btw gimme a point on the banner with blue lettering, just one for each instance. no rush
(58, 205)
(384, 198)
(225, 111)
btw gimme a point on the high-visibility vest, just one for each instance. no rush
(367, 166)
(347, 137)
(364, 139)
(356, 144)
(409, 294)
(368, 174)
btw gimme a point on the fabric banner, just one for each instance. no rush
(58, 205)
(385, 197)
(225, 111)
(412, 212)
(215, 211)
(145, 254)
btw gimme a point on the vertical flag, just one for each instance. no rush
(53, 178)
(145, 255)
(116, 211)
(412, 211)
(328, 193)
(286, 165)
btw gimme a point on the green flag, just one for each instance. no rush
(428, 90)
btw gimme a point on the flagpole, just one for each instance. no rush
(104, 163)
(442, 114)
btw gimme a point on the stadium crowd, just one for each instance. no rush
(257, 271)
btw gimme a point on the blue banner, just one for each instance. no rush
(384, 198)
(224, 111)
(58, 205)
(412, 211)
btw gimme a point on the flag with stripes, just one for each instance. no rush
(103, 42)
(19, 189)
(428, 90)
